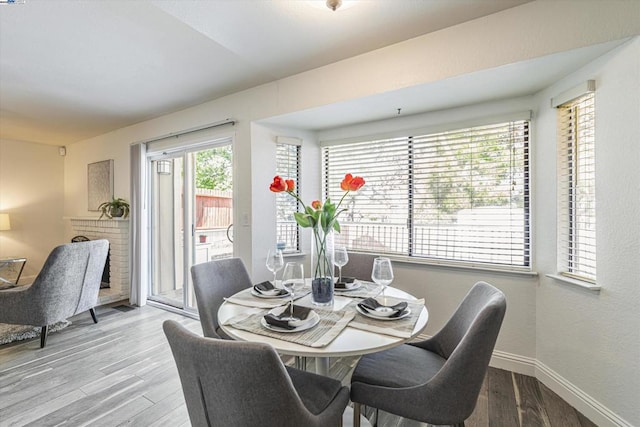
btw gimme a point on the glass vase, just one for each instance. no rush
(321, 267)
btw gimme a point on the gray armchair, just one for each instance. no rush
(234, 383)
(68, 284)
(212, 282)
(436, 381)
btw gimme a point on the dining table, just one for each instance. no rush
(342, 331)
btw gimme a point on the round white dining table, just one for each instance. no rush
(350, 342)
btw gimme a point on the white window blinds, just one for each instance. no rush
(287, 166)
(576, 188)
(460, 195)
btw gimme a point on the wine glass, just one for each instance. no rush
(293, 280)
(274, 262)
(382, 273)
(340, 259)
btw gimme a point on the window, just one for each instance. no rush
(576, 188)
(287, 166)
(458, 196)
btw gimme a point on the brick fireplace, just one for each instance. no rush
(117, 233)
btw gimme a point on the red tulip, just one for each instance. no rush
(278, 185)
(318, 214)
(351, 183)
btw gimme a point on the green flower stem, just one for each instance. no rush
(321, 253)
(321, 250)
(329, 225)
(316, 224)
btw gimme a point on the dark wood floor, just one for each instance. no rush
(121, 372)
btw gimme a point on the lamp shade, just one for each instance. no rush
(5, 224)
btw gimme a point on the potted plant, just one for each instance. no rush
(116, 208)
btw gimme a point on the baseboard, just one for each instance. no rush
(514, 363)
(587, 405)
(581, 401)
(507, 361)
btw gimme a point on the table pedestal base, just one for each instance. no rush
(322, 366)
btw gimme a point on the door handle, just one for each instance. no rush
(228, 233)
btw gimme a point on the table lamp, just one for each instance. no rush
(5, 224)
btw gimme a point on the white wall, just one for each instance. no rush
(31, 192)
(592, 340)
(263, 142)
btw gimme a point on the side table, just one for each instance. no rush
(10, 271)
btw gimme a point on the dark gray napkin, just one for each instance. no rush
(370, 305)
(345, 281)
(298, 311)
(267, 288)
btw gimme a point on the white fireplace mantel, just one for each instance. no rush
(116, 231)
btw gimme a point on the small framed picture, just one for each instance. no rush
(99, 183)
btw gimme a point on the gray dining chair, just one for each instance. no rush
(436, 381)
(212, 282)
(359, 266)
(68, 284)
(235, 383)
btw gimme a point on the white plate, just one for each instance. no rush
(259, 295)
(353, 287)
(407, 311)
(311, 321)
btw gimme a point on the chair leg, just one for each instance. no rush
(43, 336)
(459, 424)
(356, 414)
(93, 315)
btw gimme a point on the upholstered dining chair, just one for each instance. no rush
(359, 266)
(236, 383)
(68, 284)
(212, 282)
(436, 381)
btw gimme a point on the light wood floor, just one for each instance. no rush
(121, 372)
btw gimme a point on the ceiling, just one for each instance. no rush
(74, 69)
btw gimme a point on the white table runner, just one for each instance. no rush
(247, 299)
(401, 328)
(366, 290)
(330, 325)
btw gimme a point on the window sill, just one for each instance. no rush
(464, 266)
(575, 282)
(293, 254)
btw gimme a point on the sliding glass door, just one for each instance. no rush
(191, 209)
